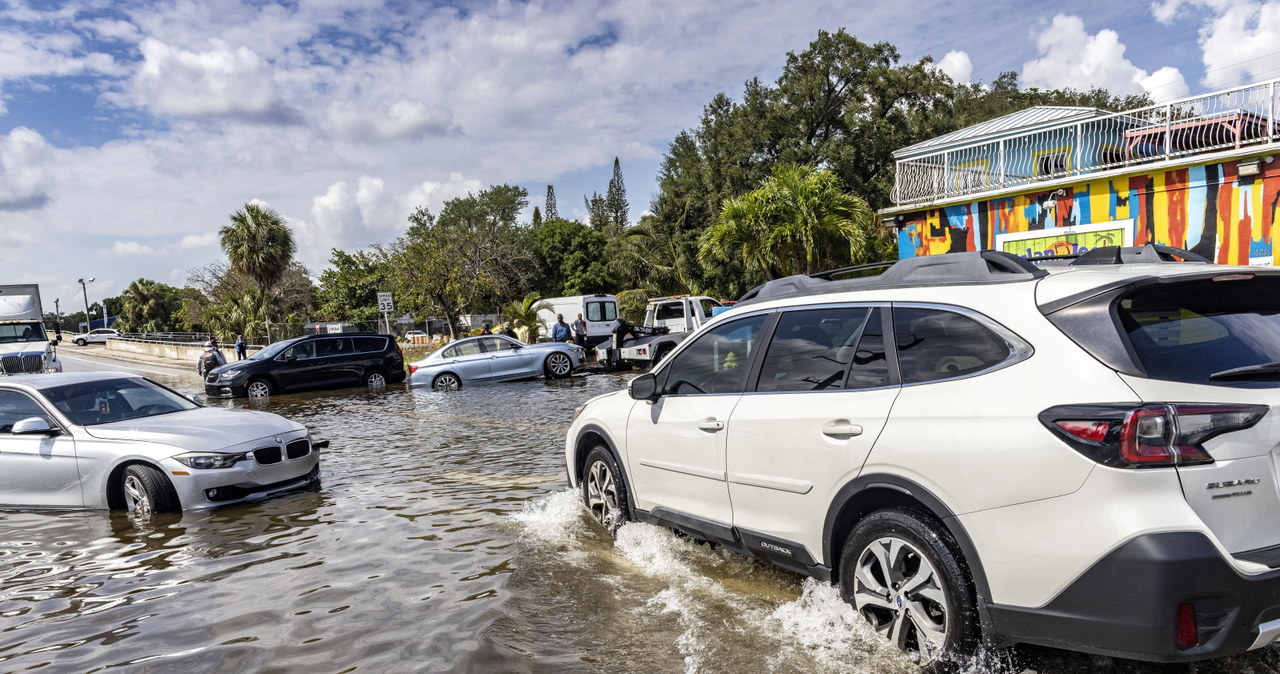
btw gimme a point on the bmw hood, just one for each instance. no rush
(205, 429)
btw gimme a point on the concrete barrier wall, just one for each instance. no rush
(172, 350)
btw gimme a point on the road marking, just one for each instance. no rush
(121, 365)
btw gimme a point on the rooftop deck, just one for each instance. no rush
(1005, 153)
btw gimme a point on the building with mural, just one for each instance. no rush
(1201, 173)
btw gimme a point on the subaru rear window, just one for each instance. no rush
(1206, 331)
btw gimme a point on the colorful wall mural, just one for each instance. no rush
(1208, 209)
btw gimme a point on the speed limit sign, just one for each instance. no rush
(384, 303)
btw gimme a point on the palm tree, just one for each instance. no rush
(796, 221)
(527, 311)
(148, 306)
(259, 244)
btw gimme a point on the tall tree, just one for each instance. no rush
(615, 200)
(348, 289)
(598, 212)
(549, 208)
(258, 243)
(148, 306)
(537, 218)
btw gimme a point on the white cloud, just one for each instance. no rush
(224, 81)
(1241, 43)
(133, 248)
(1071, 58)
(199, 241)
(1164, 11)
(401, 118)
(957, 66)
(24, 160)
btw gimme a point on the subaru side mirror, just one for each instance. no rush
(644, 387)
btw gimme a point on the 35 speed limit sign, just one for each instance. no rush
(384, 303)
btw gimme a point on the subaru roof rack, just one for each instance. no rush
(975, 268)
(1146, 254)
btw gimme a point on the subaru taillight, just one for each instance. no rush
(1147, 435)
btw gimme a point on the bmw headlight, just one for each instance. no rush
(201, 461)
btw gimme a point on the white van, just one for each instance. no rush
(600, 311)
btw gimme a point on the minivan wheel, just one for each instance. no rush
(900, 570)
(604, 491)
(258, 388)
(558, 365)
(446, 382)
(375, 379)
(147, 491)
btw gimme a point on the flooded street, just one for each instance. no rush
(444, 538)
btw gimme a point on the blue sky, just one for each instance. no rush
(130, 130)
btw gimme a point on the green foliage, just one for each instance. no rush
(227, 302)
(617, 210)
(258, 244)
(148, 306)
(549, 207)
(526, 311)
(633, 303)
(349, 288)
(571, 257)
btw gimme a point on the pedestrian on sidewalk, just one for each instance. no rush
(242, 348)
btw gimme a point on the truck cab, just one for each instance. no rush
(25, 347)
(666, 322)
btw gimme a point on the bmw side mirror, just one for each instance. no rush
(644, 387)
(33, 426)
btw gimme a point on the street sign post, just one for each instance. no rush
(386, 306)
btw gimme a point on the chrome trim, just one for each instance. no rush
(1267, 633)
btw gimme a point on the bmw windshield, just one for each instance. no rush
(103, 402)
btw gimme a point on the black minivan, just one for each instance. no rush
(311, 362)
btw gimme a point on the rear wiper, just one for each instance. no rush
(1263, 372)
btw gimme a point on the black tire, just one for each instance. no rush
(446, 381)
(375, 378)
(557, 365)
(259, 387)
(145, 491)
(81, 342)
(941, 607)
(660, 356)
(604, 490)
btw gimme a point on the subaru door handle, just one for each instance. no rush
(844, 430)
(711, 425)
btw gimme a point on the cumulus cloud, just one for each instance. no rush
(1240, 42)
(24, 161)
(1070, 57)
(401, 118)
(133, 248)
(957, 66)
(224, 81)
(1164, 11)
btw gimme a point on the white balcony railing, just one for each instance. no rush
(1229, 119)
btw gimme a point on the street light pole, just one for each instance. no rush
(57, 316)
(83, 289)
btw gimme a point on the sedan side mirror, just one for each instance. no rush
(33, 426)
(644, 387)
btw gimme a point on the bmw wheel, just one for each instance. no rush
(901, 571)
(604, 491)
(147, 491)
(446, 382)
(258, 388)
(558, 365)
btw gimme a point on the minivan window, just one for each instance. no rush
(1192, 330)
(602, 311)
(935, 344)
(810, 350)
(717, 361)
(370, 344)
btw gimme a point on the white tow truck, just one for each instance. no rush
(24, 345)
(667, 321)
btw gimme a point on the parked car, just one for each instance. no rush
(979, 449)
(493, 358)
(416, 337)
(99, 336)
(311, 362)
(118, 441)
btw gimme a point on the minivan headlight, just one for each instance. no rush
(229, 374)
(201, 461)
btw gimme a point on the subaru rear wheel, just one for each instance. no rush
(901, 571)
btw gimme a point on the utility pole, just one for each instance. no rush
(57, 316)
(83, 283)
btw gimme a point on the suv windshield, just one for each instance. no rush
(1194, 330)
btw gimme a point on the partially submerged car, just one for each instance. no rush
(494, 358)
(321, 361)
(113, 440)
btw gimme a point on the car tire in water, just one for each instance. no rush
(557, 366)
(259, 388)
(604, 490)
(147, 491)
(446, 381)
(902, 571)
(375, 379)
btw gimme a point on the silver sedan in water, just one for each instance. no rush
(493, 358)
(113, 440)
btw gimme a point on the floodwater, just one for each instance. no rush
(444, 538)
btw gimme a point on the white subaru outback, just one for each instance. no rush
(978, 449)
